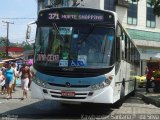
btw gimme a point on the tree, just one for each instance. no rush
(26, 46)
(156, 9)
(2, 39)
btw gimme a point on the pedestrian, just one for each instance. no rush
(30, 65)
(15, 75)
(2, 83)
(149, 75)
(9, 80)
(3, 69)
(25, 75)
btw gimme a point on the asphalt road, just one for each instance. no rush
(132, 109)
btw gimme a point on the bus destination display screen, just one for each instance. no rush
(75, 14)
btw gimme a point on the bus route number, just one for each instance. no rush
(53, 16)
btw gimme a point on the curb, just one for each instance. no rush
(150, 100)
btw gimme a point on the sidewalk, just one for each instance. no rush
(149, 98)
(16, 96)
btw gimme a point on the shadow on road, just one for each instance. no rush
(55, 110)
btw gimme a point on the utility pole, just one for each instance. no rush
(7, 41)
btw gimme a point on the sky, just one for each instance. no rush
(19, 12)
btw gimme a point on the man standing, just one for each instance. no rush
(149, 75)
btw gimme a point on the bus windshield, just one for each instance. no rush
(79, 46)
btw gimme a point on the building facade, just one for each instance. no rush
(136, 16)
(14, 52)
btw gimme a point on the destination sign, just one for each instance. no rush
(72, 16)
(75, 14)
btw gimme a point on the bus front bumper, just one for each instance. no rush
(104, 95)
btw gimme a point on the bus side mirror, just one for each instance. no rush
(28, 32)
(34, 47)
(29, 36)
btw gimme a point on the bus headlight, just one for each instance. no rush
(94, 87)
(105, 83)
(40, 83)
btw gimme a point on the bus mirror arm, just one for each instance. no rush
(28, 32)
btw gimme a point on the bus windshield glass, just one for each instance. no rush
(74, 45)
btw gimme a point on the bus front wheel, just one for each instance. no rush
(122, 98)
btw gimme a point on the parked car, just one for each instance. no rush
(141, 81)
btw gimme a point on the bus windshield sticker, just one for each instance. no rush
(49, 57)
(110, 38)
(80, 63)
(75, 63)
(83, 59)
(63, 63)
(65, 30)
(65, 56)
(75, 36)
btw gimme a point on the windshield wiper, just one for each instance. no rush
(56, 28)
(86, 36)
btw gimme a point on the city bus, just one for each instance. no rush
(83, 55)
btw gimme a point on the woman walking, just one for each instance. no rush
(25, 75)
(9, 80)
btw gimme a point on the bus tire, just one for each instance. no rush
(135, 87)
(119, 103)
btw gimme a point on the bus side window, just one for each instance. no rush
(123, 44)
(126, 45)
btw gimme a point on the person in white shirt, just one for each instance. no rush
(2, 82)
(15, 76)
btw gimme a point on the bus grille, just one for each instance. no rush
(68, 97)
(63, 85)
(78, 95)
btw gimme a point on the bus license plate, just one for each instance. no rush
(68, 94)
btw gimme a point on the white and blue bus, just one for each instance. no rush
(83, 55)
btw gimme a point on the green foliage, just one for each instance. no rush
(27, 47)
(2, 41)
(156, 9)
(3, 38)
(156, 74)
(2, 54)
